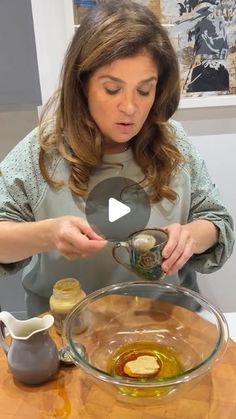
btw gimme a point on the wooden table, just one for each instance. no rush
(71, 396)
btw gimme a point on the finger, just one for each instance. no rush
(80, 241)
(177, 253)
(83, 244)
(71, 253)
(181, 261)
(95, 234)
(92, 246)
(88, 231)
(68, 250)
(170, 247)
(74, 256)
(173, 240)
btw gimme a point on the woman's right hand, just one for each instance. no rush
(69, 235)
(74, 238)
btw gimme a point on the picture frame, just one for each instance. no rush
(208, 101)
(203, 34)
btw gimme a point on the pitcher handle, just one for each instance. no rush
(3, 343)
(115, 251)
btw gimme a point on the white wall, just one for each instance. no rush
(213, 131)
(15, 123)
(53, 26)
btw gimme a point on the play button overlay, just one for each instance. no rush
(117, 207)
(117, 210)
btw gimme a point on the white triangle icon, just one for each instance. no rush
(117, 210)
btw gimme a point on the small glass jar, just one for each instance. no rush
(66, 294)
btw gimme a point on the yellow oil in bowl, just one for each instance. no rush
(166, 358)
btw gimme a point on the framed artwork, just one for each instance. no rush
(203, 34)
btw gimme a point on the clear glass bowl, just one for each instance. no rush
(184, 333)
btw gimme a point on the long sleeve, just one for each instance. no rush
(21, 188)
(206, 204)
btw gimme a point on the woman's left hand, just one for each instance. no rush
(184, 241)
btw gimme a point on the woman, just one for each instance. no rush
(119, 89)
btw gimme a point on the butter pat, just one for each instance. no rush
(143, 366)
(144, 242)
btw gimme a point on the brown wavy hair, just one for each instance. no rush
(113, 30)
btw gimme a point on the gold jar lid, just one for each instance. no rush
(66, 284)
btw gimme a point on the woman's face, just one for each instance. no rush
(121, 94)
